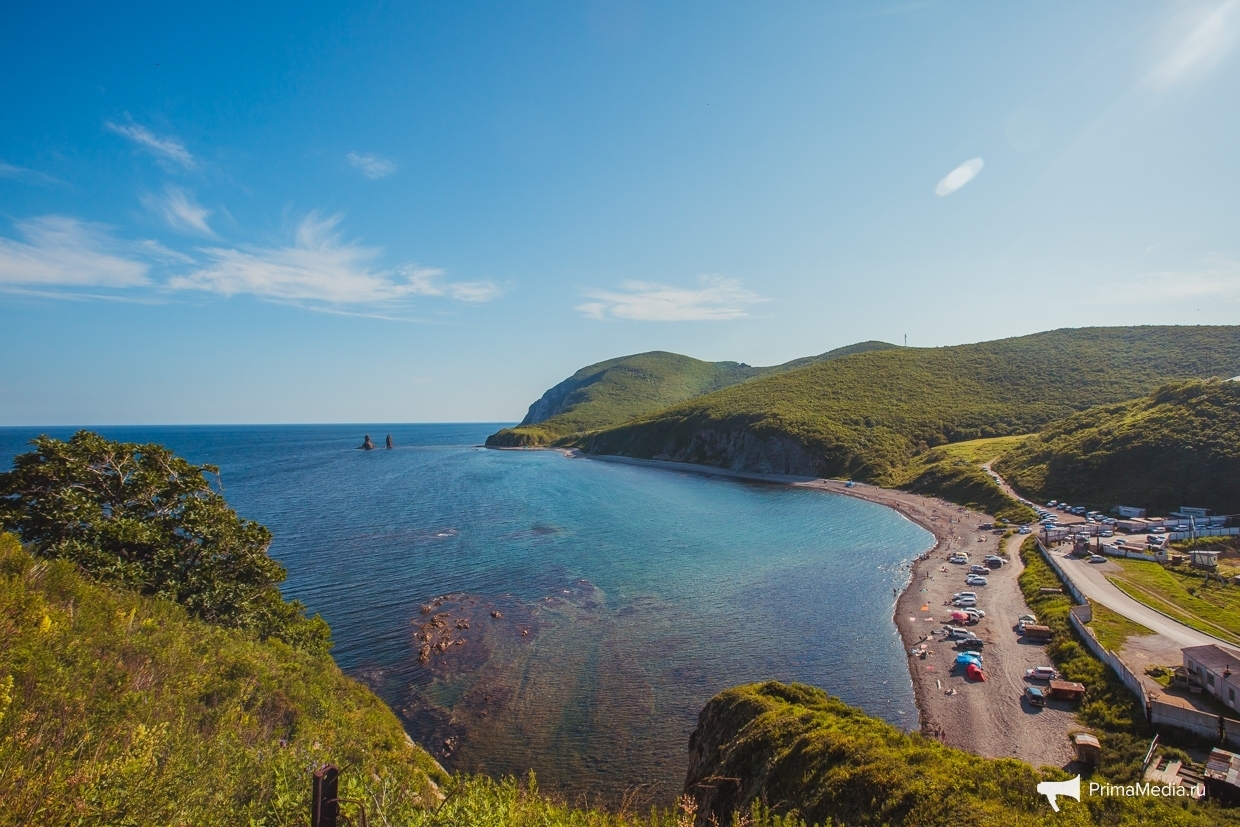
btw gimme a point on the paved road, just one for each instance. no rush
(1091, 579)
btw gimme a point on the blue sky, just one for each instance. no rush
(320, 212)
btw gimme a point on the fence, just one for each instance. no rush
(1214, 727)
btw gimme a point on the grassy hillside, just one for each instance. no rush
(618, 390)
(867, 415)
(122, 710)
(797, 748)
(1177, 446)
(954, 472)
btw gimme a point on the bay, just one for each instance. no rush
(587, 610)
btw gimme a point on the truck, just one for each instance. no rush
(1035, 631)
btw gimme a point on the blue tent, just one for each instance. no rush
(965, 658)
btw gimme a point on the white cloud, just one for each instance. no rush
(169, 149)
(716, 299)
(1200, 38)
(63, 252)
(321, 267)
(180, 210)
(29, 176)
(959, 176)
(372, 166)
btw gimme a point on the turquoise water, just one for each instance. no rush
(626, 596)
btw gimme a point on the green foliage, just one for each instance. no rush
(141, 517)
(807, 752)
(617, 390)
(952, 472)
(1187, 595)
(1180, 445)
(122, 710)
(868, 414)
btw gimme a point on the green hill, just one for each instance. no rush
(868, 414)
(618, 390)
(1178, 446)
(799, 750)
(123, 710)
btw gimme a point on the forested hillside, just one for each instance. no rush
(867, 415)
(617, 390)
(1177, 446)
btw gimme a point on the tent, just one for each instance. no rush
(959, 616)
(966, 658)
(975, 672)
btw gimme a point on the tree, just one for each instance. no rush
(144, 518)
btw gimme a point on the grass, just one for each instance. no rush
(1113, 629)
(123, 710)
(617, 390)
(868, 415)
(954, 473)
(1180, 445)
(1209, 607)
(806, 752)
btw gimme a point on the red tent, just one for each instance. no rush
(975, 672)
(959, 615)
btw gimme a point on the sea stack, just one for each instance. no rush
(390, 446)
(367, 445)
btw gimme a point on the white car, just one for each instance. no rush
(975, 580)
(958, 595)
(964, 602)
(1041, 673)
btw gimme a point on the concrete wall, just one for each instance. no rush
(1054, 564)
(1112, 660)
(1198, 723)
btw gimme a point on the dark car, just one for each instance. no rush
(973, 644)
(1035, 696)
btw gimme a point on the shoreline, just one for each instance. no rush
(987, 719)
(936, 516)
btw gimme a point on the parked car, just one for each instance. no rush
(979, 569)
(964, 602)
(1024, 530)
(1106, 532)
(975, 580)
(1035, 696)
(1041, 673)
(1097, 558)
(957, 633)
(958, 557)
(971, 644)
(975, 614)
(964, 594)
(994, 561)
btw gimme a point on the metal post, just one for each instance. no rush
(324, 806)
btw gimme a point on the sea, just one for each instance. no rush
(522, 610)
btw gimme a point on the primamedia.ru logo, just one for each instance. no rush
(1072, 789)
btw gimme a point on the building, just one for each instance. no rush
(1222, 776)
(1218, 669)
(1128, 511)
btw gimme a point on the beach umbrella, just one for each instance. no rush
(959, 615)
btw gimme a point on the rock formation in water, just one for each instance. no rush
(390, 445)
(367, 445)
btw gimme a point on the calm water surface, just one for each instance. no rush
(626, 596)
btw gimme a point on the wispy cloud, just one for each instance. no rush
(958, 177)
(180, 210)
(320, 266)
(29, 176)
(372, 166)
(715, 299)
(168, 149)
(64, 252)
(1199, 39)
